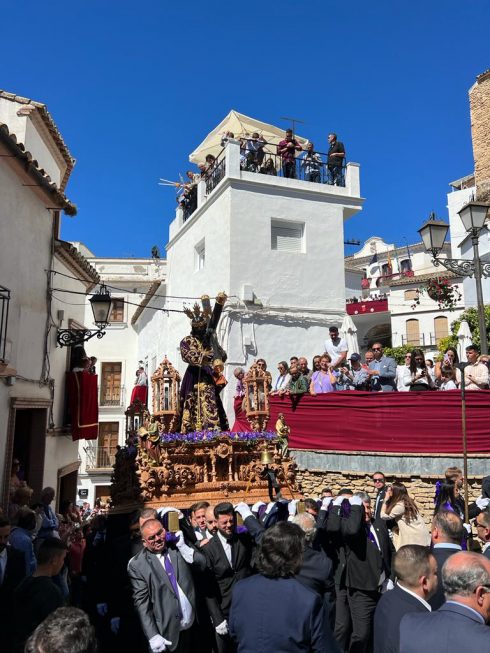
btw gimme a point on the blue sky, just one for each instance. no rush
(134, 87)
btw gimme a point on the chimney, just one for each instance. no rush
(480, 133)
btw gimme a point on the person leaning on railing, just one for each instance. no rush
(311, 163)
(287, 150)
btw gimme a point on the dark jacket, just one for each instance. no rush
(221, 576)
(441, 554)
(279, 614)
(451, 628)
(364, 562)
(392, 607)
(316, 572)
(154, 599)
(15, 571)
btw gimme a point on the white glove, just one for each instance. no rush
(338, 501)
(292, 507)
(159, 644)
(355, 501)
(482, 503)
(270, 505)
(387, 585)
(222, 628)
(184, 549)
(102, 609)
(115, 623)
(243, 510)
(468, 528)
(326, 502)
(256, 506)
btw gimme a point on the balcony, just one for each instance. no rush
(99, 458)
(231, 165)
(366, 307)
(112, 397)
(422, 340)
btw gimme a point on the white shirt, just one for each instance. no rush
(3, 564)
(281, 382)
(226, 547)
(400, 382)
(448, 385)
(185, 607)
(334, 350)
(375, 535)
(423, 601)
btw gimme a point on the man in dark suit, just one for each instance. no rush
(415, 569)
(228, 557)
(460, 624)
(482, 523)
(12, 571)
(380, 487)
(367, 550)
(163, 589)
(447, 534)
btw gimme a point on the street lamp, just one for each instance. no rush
(101, 303)
(433, 233)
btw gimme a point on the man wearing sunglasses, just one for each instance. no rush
(482, 524)
(459, 624)
(382, 371)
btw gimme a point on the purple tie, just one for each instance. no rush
(169, 568)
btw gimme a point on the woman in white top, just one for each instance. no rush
(283, 378)
(417, 377)
(400, 372)
(450, 359)
(410, 528)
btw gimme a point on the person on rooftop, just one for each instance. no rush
(287, 150)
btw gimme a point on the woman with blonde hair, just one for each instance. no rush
(409, 528)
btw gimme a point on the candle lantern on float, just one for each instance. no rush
(165, 385)
(135, 416)
(256, 383)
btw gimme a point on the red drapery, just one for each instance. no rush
(84, 407)
(410, 422)
(139, 392)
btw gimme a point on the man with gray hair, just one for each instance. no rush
(447, 533)
(415, 569)
(317, 570)
(460, 624)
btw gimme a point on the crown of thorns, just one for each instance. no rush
(197, 316)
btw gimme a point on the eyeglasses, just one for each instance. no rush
(152, 538)
(478, 525)
(378, 480)
(376, 348)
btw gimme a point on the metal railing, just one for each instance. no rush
(423, 340)
(4, 318)
(100, 457)
(215, 174)
(114, 398)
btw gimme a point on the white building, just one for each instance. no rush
(274, 245)
(129, 281)
(385, 309)
(35, 265)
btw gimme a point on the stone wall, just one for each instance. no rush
(421, 488)
(480, 131)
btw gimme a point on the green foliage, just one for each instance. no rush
(471, 316)
(444, 343)
(398, 353)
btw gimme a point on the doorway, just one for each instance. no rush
(28, 446)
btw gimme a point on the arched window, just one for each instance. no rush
(441, 329)
(410, 295)
(413, 332)
(405, 265)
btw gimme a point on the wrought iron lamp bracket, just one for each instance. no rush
(72, 337)
(463, 267)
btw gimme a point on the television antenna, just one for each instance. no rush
(293, 122)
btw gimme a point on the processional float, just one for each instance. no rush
(183, 451)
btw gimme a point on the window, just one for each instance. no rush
(406, 265)
(386, 269)
(410, 295)
(117, 310)
(287, 236)
(413, 332)
(107, 443)
(200, 255)
(440, 327)
(110, 388)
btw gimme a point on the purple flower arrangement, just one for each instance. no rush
(195, 437)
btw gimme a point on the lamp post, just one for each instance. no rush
(433, 233)
(101, 303)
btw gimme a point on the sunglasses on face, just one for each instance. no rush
(378, 480)
(376, 348)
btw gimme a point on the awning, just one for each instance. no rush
(240, 125)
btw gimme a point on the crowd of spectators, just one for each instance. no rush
(326, 574)
(334, 371)
(257, 155)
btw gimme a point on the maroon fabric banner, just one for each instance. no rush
(84, 407)
(410, 422)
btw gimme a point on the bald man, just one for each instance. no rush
(460, 624)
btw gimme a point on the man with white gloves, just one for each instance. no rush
(163, 588)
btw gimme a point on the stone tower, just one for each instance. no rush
(480, 131)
